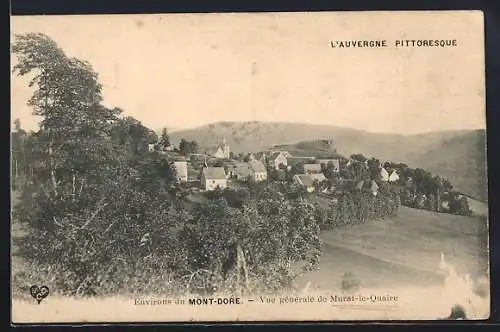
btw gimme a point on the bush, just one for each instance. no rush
(359, 206)
(252, 248)
(459, 204)
(349, 282)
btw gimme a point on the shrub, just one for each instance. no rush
(350, 282)
(459, 204)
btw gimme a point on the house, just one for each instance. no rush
(394, 177)
(286, 154)
(327, 162)
(277, 159)
(320, 177)
(305, 181)
(242, 172)
(151, 147)
(213, 177)
(312, 168)
(374, 188)
(369, 186)
(223, 151)
(384, 175)
(181, 171)
(260, 156)
(258, 171)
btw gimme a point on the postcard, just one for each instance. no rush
(249, 167)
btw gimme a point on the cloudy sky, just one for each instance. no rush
(186, 70)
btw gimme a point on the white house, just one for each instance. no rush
(317, 177)
(181, 171)
(393, 177)
(304, 180)
(213, 177)
(258, 171)
(223, 151)
(312, 168)
(277, 159)
(384, 176)
(151, 147)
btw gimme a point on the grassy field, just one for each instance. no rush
(402, 251)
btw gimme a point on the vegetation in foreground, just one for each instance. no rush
(105, 216)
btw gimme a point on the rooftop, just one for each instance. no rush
(214, 173)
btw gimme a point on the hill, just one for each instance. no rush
(462, 159)
(316, 148)
(258, 136)
(403, 250)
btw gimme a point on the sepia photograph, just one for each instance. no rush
(232, 167)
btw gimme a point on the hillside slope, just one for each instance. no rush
(258, 136)
(403, 250)
(462, 159)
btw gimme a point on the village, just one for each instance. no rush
(219, 168)
(326, 174)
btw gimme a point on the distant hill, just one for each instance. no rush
(258, 136)
(458, 155)
(170, 130)
(316, 148)
(462, 159)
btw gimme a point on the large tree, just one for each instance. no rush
(94, 199)
(75, 127)
(164, 142)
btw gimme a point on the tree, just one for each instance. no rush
(18, 138)
(131, 135)
(252, 245)
(93, 200)
(187, 147)
(359, 157)
(153, 137)
(374, 168)
(459, 204)
(164, 142)
(67, 97)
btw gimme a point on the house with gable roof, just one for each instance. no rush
(277, 159)
(258, 170)
(394, 177)
(312, 168)
(305, 181)
(384, 175)
(213, 178)
(181, 171)
(319, 177)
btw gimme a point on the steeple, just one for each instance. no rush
(224, 140)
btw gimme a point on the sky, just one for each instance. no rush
(188, 70)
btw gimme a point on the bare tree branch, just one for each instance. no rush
(99, 208)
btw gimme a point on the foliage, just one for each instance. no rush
(458, 204)
(93, 193)
(256, 243)
(187, 147)
(349, 282)
(164, 141)
(356, 207)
